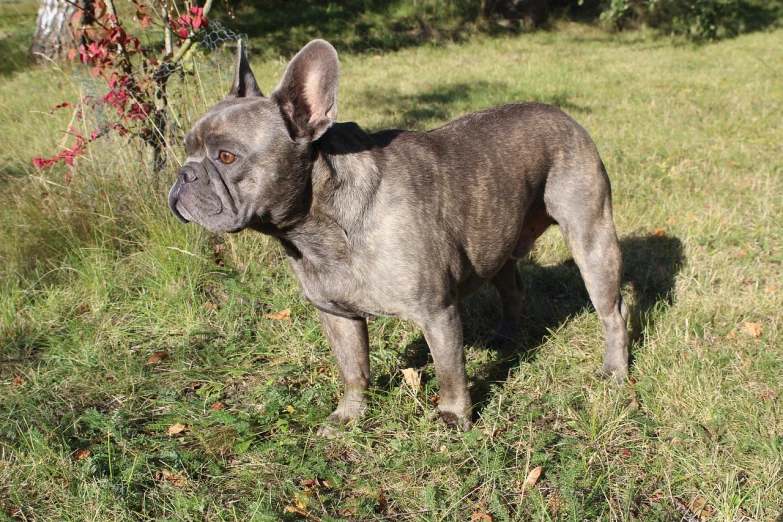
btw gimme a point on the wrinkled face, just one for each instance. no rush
(248, 156)
(238, 168)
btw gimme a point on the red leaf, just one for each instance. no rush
(182, 33)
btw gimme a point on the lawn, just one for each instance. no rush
(153, 371)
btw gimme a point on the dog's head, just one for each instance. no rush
(248, 157)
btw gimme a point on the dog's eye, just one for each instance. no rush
(226, 157)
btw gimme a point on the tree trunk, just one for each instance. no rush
(59, 28)
(534, 13)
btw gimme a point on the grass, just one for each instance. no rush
(141, 380)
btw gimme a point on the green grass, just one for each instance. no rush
(97, 276)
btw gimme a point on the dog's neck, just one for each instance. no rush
(343, 181)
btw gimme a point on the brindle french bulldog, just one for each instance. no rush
(398, 223)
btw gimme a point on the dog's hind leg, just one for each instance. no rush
(581, 204)
(509, 285)
(507, 281)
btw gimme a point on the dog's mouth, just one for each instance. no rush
(182, 213)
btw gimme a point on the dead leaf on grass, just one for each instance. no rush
(156, 357)
(531, 479)
(299, 507)
(691, 216)
(633, 404)
(671, 221)
(772, 289)
(700, 508)
(742, 253)
(282, 315)
(533, 476)
(217, 406)
(480, 516)
(412, 379)
(172, 478)
(659, 232)
(18, 381)
(176, 429)
(82, 454)
(754, 329)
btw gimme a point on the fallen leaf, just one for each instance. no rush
(700, 508)
(81, 309)
(82, 454)
(659, 232)
(18, 381)
(299, 507)
(290, 409)
(217, 406)
(671, 221)
(283, 315)
(772, 289)
(691, 217)
(767, 396)
(209, 305)
(176, 429)
(731, 335)
(633, 404)
(412, 379)
(742, 253)
(217, 248)
(174, 479)
(754, 329)
(533, 476)
(480, 516)
(156, 357)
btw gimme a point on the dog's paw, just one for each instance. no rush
(457, 422)
(351, 407)
(329, 430)
(616, 372)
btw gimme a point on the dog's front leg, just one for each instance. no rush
(350, 344)
(443, 332)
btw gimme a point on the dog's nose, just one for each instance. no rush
(187, 175)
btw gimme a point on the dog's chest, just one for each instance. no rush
(336, 290)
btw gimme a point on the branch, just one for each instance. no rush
(187, 43)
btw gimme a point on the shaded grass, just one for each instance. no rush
(17, 24)
(98, 277)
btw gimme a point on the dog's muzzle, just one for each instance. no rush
(186, 174)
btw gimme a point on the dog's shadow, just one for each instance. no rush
(553, 294)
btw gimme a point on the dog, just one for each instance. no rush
(398, 223)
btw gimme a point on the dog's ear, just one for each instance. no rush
(244, 85)
(307, 94)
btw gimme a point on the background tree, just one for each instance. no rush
(60, 27)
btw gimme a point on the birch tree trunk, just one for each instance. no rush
(58, 29)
